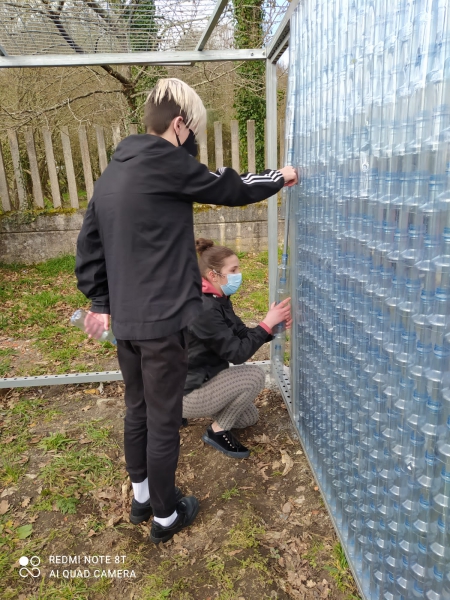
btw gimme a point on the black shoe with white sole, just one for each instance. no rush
(187, 509)
(142, 511)
(224, 441)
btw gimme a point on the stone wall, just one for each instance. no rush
(31, 239)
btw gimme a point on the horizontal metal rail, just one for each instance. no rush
(130, 58)
(71, 378)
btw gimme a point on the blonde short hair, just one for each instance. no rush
(171, 98)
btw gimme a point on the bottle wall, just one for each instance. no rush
(368, 126)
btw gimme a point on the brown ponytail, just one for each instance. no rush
(211, 257)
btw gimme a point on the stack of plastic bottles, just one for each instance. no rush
(369, 129)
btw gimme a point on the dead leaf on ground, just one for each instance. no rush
(114, 520)
(262, 472)
(9, 439)
(287, 508)
(4, 507)
(85, 408)
(287, 461)
(25, 502)
(106, 495)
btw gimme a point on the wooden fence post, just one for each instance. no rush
(86, 160)
(15, 155)
(102, 158)
(282, 148)
(203, 143)
(116, 134)
(38, 197)
(51, 166)
(235, 145)
(218, 145)
(70, 172)
(133, 128)
(4, 191)
(251, 148)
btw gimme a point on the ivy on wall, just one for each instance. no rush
(249, 102)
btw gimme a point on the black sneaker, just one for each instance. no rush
(225, 442)
(142, 511)
(187, 509)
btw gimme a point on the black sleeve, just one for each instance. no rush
(90, 265)
(242, 329)
(214, 332)
(226, 187)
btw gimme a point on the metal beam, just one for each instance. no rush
(272, 212)
(218, 10)
(130, 58)
(71, 378)
(281, 35)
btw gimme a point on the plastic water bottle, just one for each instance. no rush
(279, 331)
(78, 319)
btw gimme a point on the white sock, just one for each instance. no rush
(141, 493)
(166, 521)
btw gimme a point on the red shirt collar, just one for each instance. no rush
(208, 288)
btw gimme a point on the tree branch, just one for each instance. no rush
(67, 102)
(123, 80)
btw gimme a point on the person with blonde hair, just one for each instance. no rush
(136, 262)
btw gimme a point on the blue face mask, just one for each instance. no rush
(234, 281)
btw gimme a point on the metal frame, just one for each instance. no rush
(94, 377)
(275, 49)
(271, 54)
(217, 12)
(186, 57)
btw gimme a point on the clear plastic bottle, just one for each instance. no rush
(78, 318)
(279, 331)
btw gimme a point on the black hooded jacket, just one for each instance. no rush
(136, 255)
(218, 337)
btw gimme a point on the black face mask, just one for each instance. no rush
(190, 144)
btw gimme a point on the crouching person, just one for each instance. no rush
(216, 338)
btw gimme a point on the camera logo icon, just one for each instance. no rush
(29, 566)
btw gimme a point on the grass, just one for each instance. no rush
(6, 356)
(312, 556)
(98, 434)
(228, 494)
(340, 572)
(55, 441)
(38, 300)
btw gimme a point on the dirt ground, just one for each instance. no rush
(262, 531)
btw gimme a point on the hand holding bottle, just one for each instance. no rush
(96, 324)
(279, 313)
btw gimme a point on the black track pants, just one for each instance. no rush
(154, 372)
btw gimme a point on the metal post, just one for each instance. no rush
(271, 145)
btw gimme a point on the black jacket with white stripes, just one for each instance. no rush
(136, 255)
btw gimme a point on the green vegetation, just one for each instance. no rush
(38, 301)
(249, 102)
(228, 494)
(341, 573)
